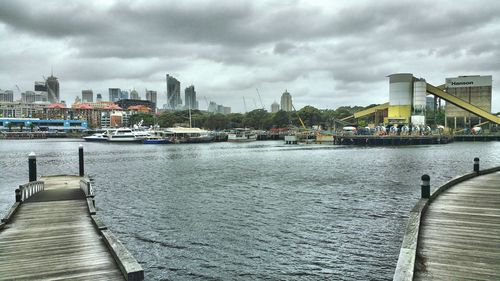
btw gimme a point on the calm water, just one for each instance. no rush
(260, 210)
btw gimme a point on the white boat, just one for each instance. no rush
(126, 135)
(188, 135)
(96, 137)
(241, 135)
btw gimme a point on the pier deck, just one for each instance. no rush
(460, 233)
(51, 236)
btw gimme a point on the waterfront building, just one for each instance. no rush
(275, 107)
(20, 109)
(44, 124)
(87, 96)
(6, 96)
(173, 93)
(190, 98)
(98, 98)
(475, 90)
(114, 94)
(152, 96)
(286, 101)
(52, 89)
(114, 118)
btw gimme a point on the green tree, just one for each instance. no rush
(216, 122)
(21, 126)
(255, 119)
(32, 126)
(147, 118)
(235, 120)
(310, 115)
(281, 119)
(10, 125)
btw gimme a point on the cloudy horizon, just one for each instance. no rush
(325, 53)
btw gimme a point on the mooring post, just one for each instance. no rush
(476, 165)
(32, 166)
(80, 159)
(426, 186)
(18, 195)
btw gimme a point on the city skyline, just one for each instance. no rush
(327, 56)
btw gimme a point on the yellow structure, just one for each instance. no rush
(398, 114)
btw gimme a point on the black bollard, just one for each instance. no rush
(80, 160)
(476, 165)
(18, 195)
(426, 186)
(32, 166)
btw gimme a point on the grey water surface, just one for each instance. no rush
(252, 211)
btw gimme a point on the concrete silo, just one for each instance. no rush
(400, 98)
(419, 101)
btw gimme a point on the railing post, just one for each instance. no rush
(32, 166)
(80, 160)
(18, 195)
(426, 186)
(476, 165)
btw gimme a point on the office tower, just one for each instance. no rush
(286, 101)
(87, 96)
(190, 98)
(275, 107)
(6, 96)
(52, 89)
(31, 97)
(151, 96)
(114, 94)
(124, 95)
(134, 95)
(173, 92)
(98, 98)
(40, 86)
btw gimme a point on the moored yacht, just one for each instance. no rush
(241, 135)
(126, 135)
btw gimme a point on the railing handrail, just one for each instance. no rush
(29, 189)
(405, 268)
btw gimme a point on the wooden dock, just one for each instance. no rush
(455, 233)
(52, 233)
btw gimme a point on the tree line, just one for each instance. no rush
(257, 119)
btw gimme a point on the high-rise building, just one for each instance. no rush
(286, 101)
(6, 96)
(173, 93)
(275, 107)
(212, 107)
(227, 110)
(40, 86)
(52, 89)
(134, 95)
(114, 94)
(124, 95)
(87, 96)
(475, 90)
(32, 97)
(151, 96)
(98, 98)
(190, 98)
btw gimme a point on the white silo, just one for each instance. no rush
(419, 102)
(400, 97)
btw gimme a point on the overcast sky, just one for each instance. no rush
(325, 53)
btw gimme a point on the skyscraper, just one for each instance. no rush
(151, 96)
(286, 101)
(114, 94)
(98, 98)
(52, 89)
(87, 96)
(190, 98)
(6, 96)
(134, 95)
(275, 107)
(173, 92)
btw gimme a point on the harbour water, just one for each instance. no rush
(252, 211)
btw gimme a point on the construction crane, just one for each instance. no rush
(245, 104)
(300, 119)
(260, 99)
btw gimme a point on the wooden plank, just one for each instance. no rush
(460, 232)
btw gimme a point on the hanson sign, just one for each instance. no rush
(468, 81)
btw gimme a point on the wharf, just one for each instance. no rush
(476, 138)
(387, 140)
(52, 233)
(454, 233)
